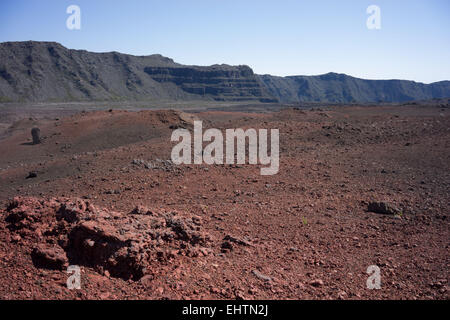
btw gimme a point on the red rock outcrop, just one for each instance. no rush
(125, 245)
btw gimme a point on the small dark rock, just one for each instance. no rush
(236, 240)
(227, 246)
(316, 283)
(31, 174)
(36, 134)
(383, 208)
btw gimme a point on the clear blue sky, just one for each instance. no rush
(277, 37)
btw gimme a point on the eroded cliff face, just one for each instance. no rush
(47, 71)
(221, 82)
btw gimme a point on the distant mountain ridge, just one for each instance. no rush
(46, 71)
(341, 88)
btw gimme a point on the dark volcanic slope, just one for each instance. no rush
(341, 88)
(47, 71)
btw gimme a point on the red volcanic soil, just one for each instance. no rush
(103, 196)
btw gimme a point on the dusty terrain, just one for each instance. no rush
(99, 192)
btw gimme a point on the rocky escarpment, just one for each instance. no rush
(219, 81)
(47, 71)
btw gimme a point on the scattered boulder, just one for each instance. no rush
(226, 246)
(112, 191)
(31, 175)
(261, 276)
(49, 257)
(383, 208)
(316, 283)
(236, 240)
(141, 210)
(36, 135)
(159, 164)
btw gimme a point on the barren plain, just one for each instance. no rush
(101, 192)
